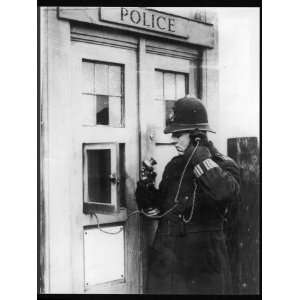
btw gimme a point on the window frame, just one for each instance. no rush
(101, 207)
(122, 92)
(185, 74)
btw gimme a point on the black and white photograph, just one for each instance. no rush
(149, 150)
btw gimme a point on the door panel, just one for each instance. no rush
(158, 96)
(104, 81)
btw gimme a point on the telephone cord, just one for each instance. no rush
(107, 232)
(176, 196)
(169, 210)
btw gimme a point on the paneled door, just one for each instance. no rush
(164, 79)
(105, 243)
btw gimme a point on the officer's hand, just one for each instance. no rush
(201, 153)
(144, 194)
(141, 195)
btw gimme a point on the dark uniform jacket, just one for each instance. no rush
(192, 258)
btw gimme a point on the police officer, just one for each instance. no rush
(189, 254)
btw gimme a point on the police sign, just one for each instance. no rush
(145, 19)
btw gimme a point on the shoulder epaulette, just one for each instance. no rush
(226, 159)
(223, 157)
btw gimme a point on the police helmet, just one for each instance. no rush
(188, 114)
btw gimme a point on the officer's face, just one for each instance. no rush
(181, 141)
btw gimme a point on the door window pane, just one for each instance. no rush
(180, 86)
(102, 110)
(169, 86)
(114, 80)
(99, 185)
(159, 112)
(159, 85)
(115, 111)
(88, 108)
(87, 77)
(101, 79)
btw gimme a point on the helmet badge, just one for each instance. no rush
(171, 116)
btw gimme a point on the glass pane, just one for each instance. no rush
(159, 84)
(88, 109)
(180, 86)
(87, 77)
(169, 86)
(169, 110)
(114, 81)
(101, 79)
(98, 176)
(102, 106)
(115, 111)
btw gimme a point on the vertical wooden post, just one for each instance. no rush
(140, 63)
(147, 148)
(58, 155)
(43, 149)
(245, 237)
(208, 73)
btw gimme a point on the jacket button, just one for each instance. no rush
(179, 215)
(186, 197)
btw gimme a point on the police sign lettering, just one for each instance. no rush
(145, 19)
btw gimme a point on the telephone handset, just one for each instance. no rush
(147, 178)
(199, 137)
(147, 171)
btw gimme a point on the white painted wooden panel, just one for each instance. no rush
(167, 63)
(158, 110)
(88, 109)
(103, 255)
